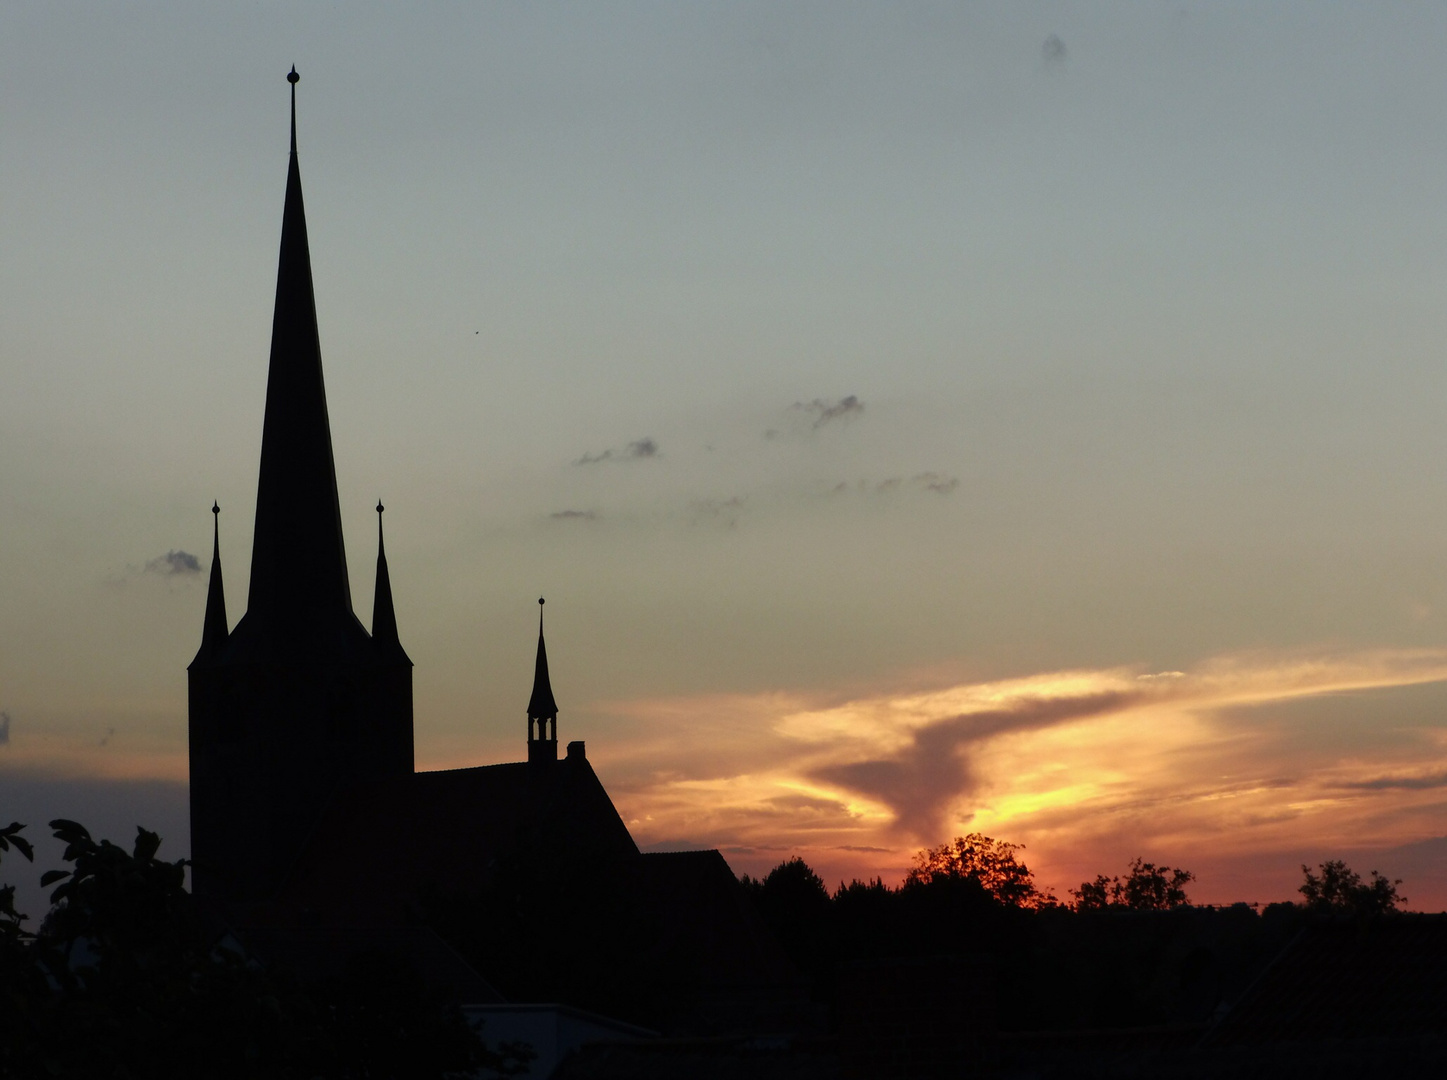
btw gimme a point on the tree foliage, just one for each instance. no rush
(968, 907)
(123, 980)
(1340, 890)
(990, 863)
(1146, 887)
(11, 930)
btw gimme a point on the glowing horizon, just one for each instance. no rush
(1086, 768)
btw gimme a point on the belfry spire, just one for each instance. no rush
(298, 562)
(214, 632)
(542, 709)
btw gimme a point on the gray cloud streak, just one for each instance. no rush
(824, 411)
(1398, 783)
(637, 450)
(940, 485)
(174, 563)
(642, 448)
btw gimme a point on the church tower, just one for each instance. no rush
(298, 699)
(542, 709)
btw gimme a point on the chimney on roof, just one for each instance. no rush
(575, 750)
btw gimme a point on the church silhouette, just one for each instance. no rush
(312, 834)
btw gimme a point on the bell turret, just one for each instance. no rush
(542, 709)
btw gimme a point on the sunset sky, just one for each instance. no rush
(1023, 418)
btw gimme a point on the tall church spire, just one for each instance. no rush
(298, 563)
(298, 701)
(542, 709)
(214, 632)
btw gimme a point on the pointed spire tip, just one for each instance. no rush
(293, 78)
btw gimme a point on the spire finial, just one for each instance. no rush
(293, 78)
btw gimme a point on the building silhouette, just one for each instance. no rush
(516, 890)
(298, 700)
(312, 833)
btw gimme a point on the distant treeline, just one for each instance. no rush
(1123, 951)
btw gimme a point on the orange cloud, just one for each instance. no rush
(1087, 768)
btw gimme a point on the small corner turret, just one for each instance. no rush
(542, 709)
(384, 614)
(214, 631)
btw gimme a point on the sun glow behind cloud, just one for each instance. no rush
(1086, 767)
(1239, 768)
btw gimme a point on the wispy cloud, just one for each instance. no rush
(4, 729)
(574, 515)
(1088, 767)
(1400, 783)
(822, 411)
(637, 450)
(933, 482)
(173, 564)
(723, 512)
(642, 448)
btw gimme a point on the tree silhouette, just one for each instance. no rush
(123, 980)
(11, 932)
(982, 859)
(1147, 887)
(1340, 890)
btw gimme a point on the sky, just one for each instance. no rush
(1021, 418)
